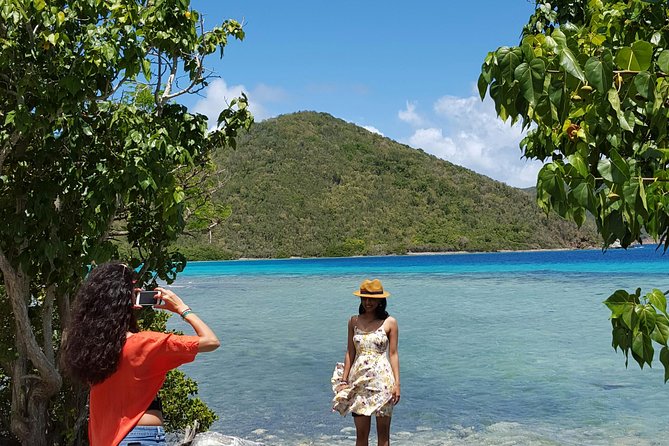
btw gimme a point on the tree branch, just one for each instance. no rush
(174, 66)
(104, 97)
(199, 60)
(156, 93)
(47, 322)
(645, 179)
(621, 72)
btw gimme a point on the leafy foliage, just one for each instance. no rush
(93, 149)
(590, 81)
(308, 184)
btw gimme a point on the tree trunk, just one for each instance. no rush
(30, 406)
(34, 377)
(39, 430)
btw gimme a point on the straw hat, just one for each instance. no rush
(371, 288)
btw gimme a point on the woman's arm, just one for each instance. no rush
(349, 357)
(171, 302)
(394, 356)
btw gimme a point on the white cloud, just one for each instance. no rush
(469, 133)
(369, 128)
(219, 94)
(409, 115)
(265, 93)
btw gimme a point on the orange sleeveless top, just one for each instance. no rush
(117, 403)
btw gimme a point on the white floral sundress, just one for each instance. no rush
(371, 379)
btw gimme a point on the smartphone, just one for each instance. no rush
(146, 298)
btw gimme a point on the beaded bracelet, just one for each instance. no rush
(185, 313)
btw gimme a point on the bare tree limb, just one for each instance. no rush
(174, 66)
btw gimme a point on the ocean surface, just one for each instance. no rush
(495, 349)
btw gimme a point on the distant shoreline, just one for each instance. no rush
(427, 253)
(433, 253)
(412, 253)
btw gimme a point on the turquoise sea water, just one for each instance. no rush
(495, 349)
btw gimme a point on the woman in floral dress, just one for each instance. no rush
(368, 382)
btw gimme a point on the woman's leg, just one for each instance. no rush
(383, 430)
(362, 426)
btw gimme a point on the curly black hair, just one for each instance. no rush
(100, 320)
(380, 312)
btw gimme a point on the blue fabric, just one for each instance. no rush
(145, 436)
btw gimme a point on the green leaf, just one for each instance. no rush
(576, 160)
(621, 338)
(605, 168)
(581, 194)
(146, 69)
(629, 316)
(646, 316)
(508, 60)
(645, 84)
(569, 62)
(145, 183)
(642, 349)
(635, 58)
(658, 299)
(72, 84)
(661, 332)
(618, 302)
(599, 73)
(530, 76)
(664, 359)
(550, 185)
(39, 4)
(10, 117)
(579, 216)
(642, 195)
(482, 86)
(614, 100)
(559, 38)
(630, 193)
(656, 38)
(663, 61)
(621, 170)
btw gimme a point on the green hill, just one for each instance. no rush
(309, 184)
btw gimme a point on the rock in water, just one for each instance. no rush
(216, 439)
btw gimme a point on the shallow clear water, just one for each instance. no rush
(495, 349)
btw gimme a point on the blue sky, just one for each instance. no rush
(407, 70)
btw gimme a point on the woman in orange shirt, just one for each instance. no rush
(125, 367)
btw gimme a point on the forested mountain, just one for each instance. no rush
(309, 184)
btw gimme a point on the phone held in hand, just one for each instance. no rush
(145, 298)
